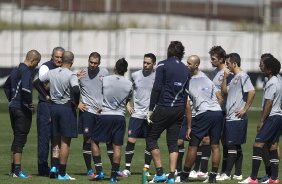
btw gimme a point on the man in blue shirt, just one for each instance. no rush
(18, 89)
(167, 107)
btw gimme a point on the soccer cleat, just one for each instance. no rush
(21, 174)
(170, 180)
(193, 174)
(53, 172)
(211, 178)
(119, 173)
(264, 179)
(273, 181)
(113, 180)
(202, 175)
(99, 176)
(157, 179)
(126, 173)
(223, 177)
(249, 180)
(90, 173)
(66, 177)
(235, 177)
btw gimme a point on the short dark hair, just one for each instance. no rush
(219, 52)
(58, 49)
(176, 49)
(67, 57)
(95, 55)
(234, 58)
(266, 55)
(121, 66)
(151, 56)
(272, 64)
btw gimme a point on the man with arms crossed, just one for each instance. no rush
(143, 81)
(44, 125)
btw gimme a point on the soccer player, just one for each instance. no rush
(91, 103)
(143, 81)
(217, 56)
(18, 89)
(208, 120)
(167, 107)
(270, 124)
(111, 125)
(44, 116)
(240, 94)
(65, 93)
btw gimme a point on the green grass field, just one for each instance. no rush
(76, 166)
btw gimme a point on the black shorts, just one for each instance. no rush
(137, 128)
(20, 120)
(86, 123)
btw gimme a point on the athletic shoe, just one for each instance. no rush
(179, 180)
(223, 177)
(99, 176)
(66, 177)
(126, 173)
(157, 179)
(210, 179)
(113, 180)
(21, 175)
(90, 173)
(147, 173)
(193, 174)
(202, 175)
(235, 177)
(249, 181)
(119, 173)
(273, 181)
(53, 172)
(170, 180)
(263, 179)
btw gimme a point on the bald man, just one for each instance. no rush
(208, 118)
(18, 89)
(65, 93)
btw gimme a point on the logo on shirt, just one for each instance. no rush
(177, 83)
(220, 78)
(86, 130)
(101, 77)
(235, 81)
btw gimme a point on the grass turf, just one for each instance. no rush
(76, 167)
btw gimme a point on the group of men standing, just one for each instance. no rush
(175, 97)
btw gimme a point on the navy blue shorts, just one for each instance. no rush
(183, 129)
(137, 128)
(208, 123)
(271, 130)
(64, 120)
(86, 123)
(236, 131)
(109, 128)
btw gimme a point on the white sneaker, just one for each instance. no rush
(223, 177)
(206, 181)
(193, 174)
(235, 177)
(177, 179)
(202, 175)
(218, 176)
(126, 173)
(249, 180)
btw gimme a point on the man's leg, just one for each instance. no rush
(87, 154)
(97, 159)
(129, 153)
(116, 161)
(64, 154)
(43, 137)
(274, 161)
(206, 153)
(181, 152)
(55, 159)
(256, 159)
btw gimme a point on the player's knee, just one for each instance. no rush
(86, 146)
(194, 141)
(151, 144)
(19, 143)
